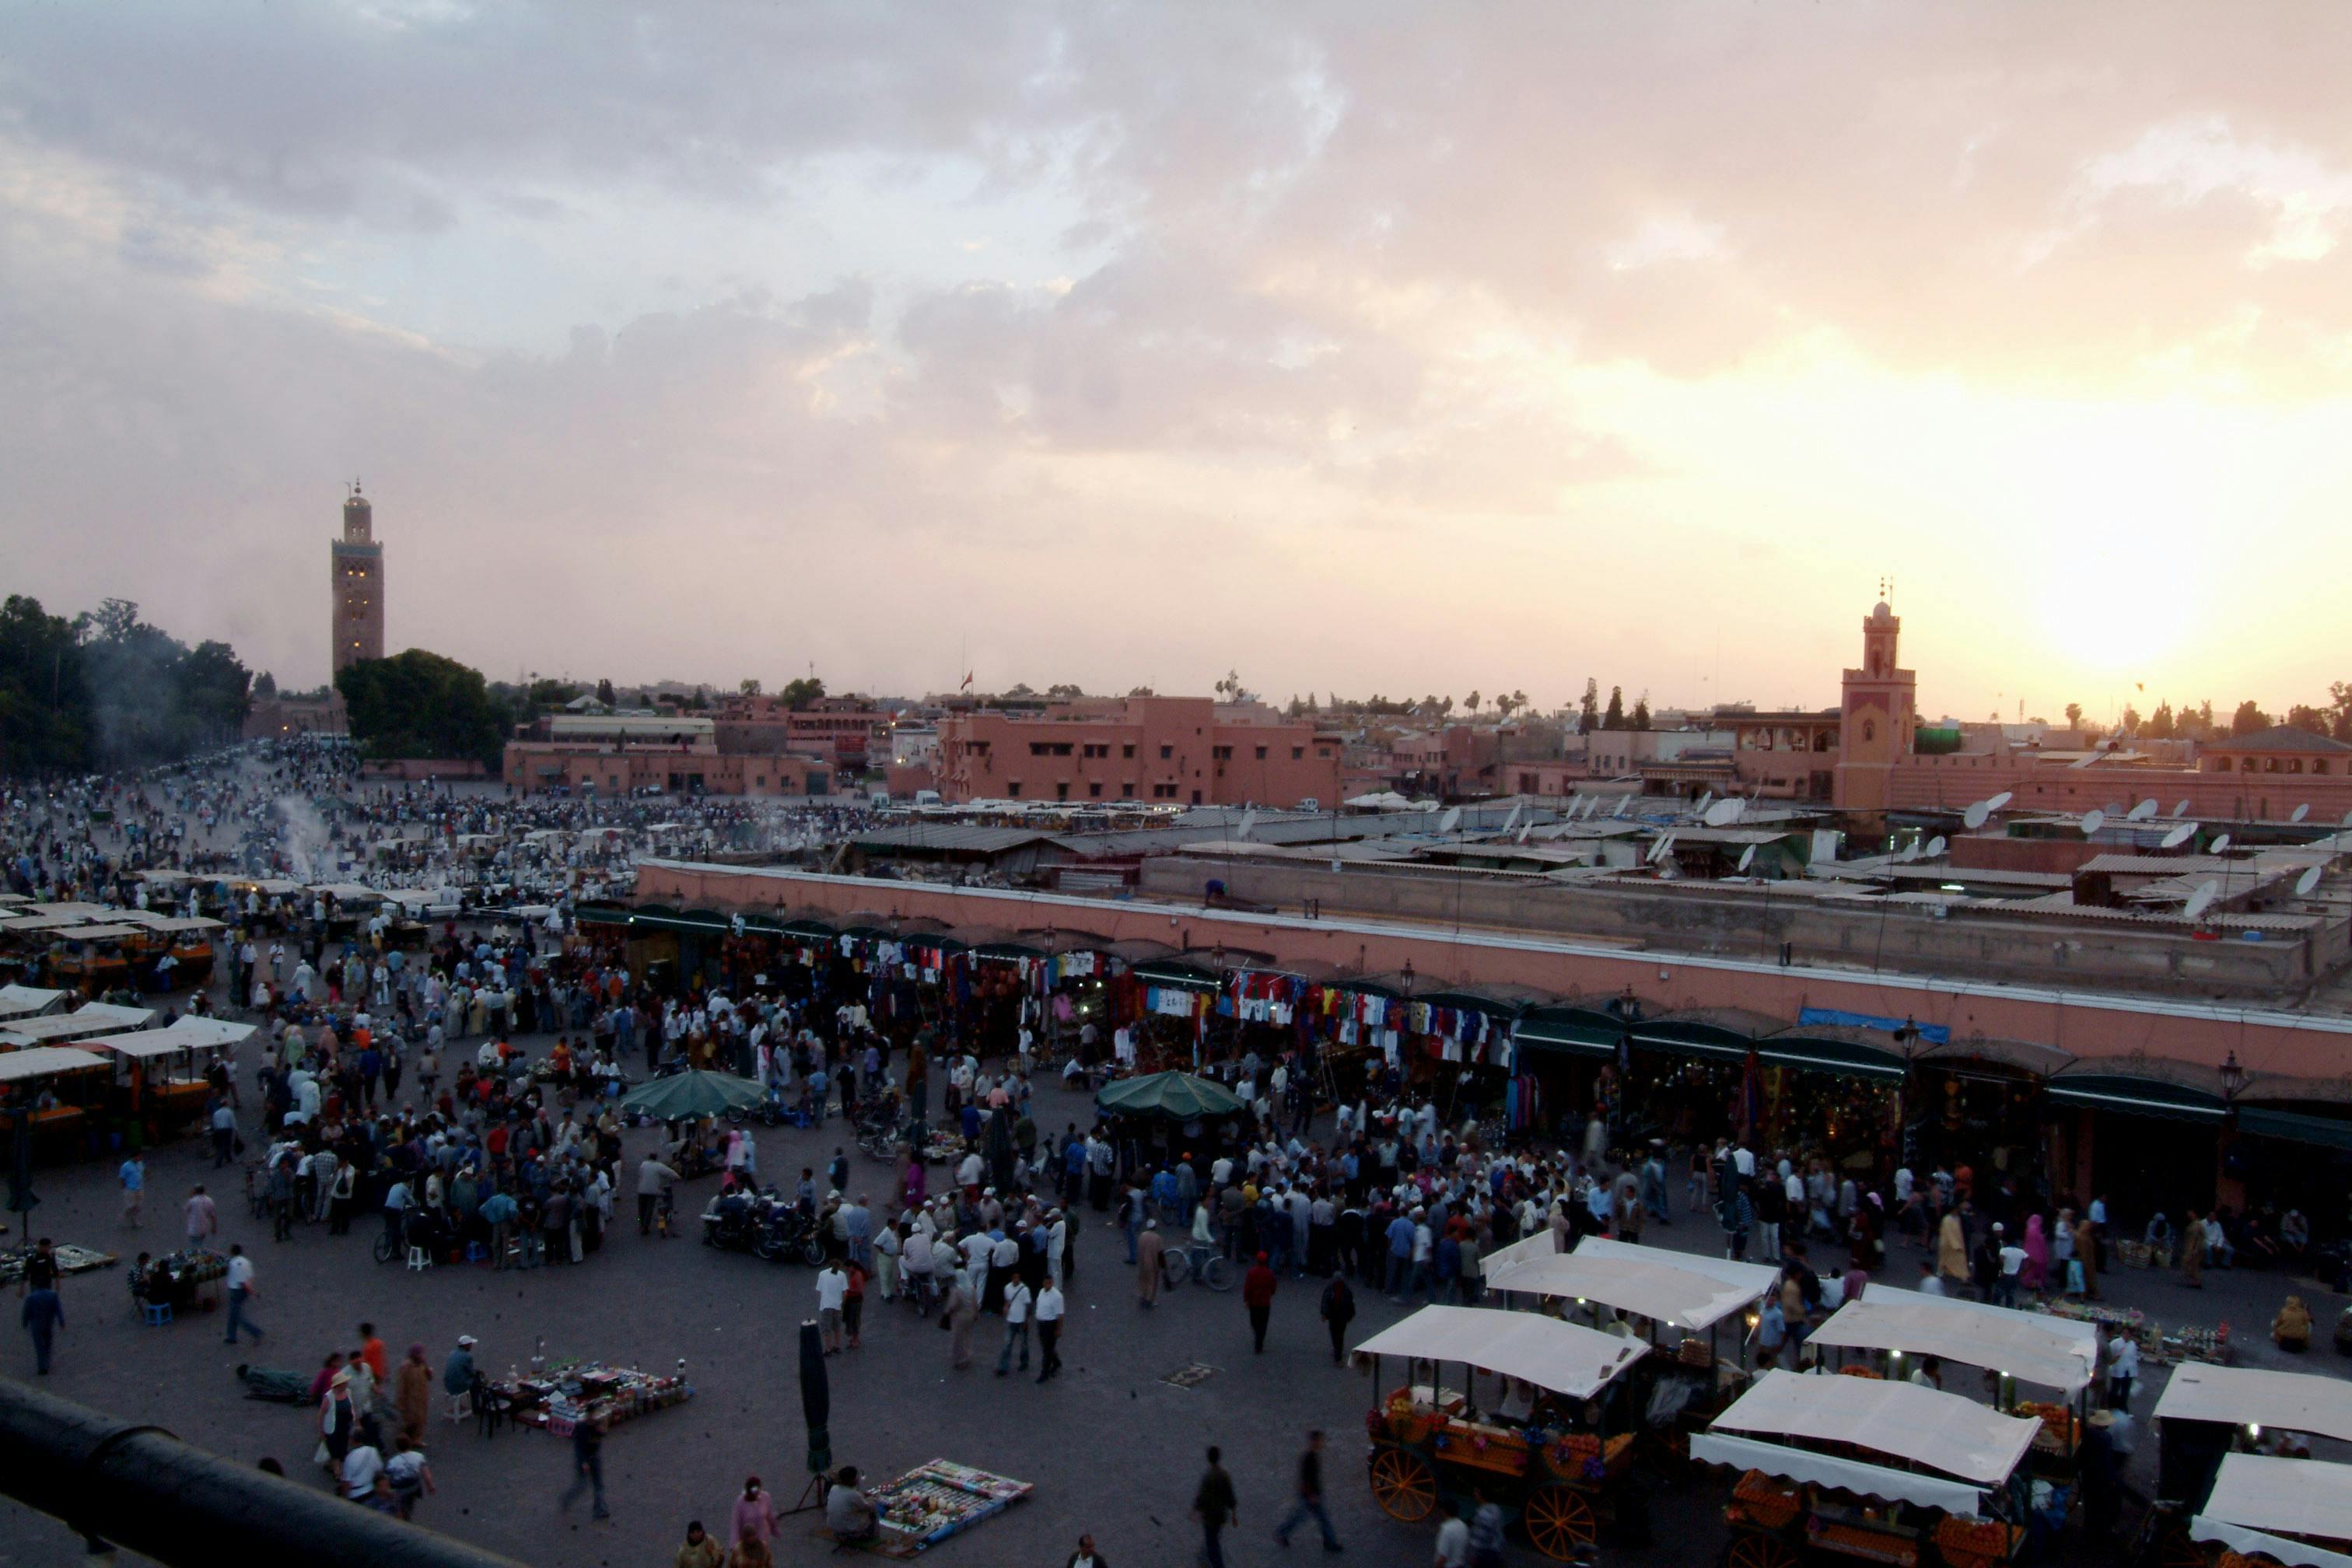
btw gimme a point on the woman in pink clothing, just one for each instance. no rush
(755, 1514)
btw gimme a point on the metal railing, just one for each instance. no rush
(142, 1488)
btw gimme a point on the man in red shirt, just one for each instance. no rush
(1257, 1295)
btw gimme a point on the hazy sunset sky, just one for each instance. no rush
(1378, 347)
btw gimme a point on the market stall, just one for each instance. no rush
(19, 1002)
(937, 1499)
(2207, 1412)
(2294, 1511)
(55, 1078)
(557, 1397)
(1551, 1453)
(1882, 1472)
(61, 1029)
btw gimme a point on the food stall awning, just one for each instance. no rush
(2159, 1090)
(1650, 1287)
(187, 1035)
(97, 1018)
(2243, 1396)
(99, 933)
(41, 1061)
(2293, 1127)
(1837, 1049)
(1902, 1421)
(25, 1001)
(2257, 1499)
(1566, 1358)
(1569, 1028)
(1726, 1034)
(2054, 1353)
(1180, 975)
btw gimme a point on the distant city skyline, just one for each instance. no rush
(1389, 349)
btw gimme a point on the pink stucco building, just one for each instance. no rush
(1181, 751)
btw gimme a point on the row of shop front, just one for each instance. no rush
(1870, 1092)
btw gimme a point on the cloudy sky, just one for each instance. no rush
(1395, 347)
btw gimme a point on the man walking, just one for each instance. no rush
(1310, 1497)
(1049, 1309)
(1017, 1303)
(1339, 1312)
(654, 1178)
(1257, 1295)
(832, 1290)
(587, 1467)
(240, 1292)
(204, 1218)
(1215, 1507)
(44, 1314)
(133, 1176)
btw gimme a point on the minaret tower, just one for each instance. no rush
(356, 564)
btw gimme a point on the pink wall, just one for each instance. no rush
(1164, 749)
(2085, 1026)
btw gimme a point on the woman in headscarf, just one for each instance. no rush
(957, 1316)
(1863, 1231)
(1952, 1254)
(2035, 1273)
(412, 1393)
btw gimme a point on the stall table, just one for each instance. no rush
(935, 1500)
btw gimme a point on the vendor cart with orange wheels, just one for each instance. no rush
(1871, 1470)
(2226, 1483)
(1548, 1447)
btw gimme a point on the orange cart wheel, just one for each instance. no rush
(1558, 1520)
(1759, 1552)
(2177, 1550)
(1404, 1485)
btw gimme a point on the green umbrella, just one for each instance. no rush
(693, 1093)
(1176, 1096)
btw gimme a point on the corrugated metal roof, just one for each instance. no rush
(955, 837)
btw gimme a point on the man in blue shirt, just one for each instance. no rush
(1400, 1254)
(1163, 1196)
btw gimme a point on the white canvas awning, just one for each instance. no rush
(2053, 1352)
(210, 1031)
(2241, 1396)
(26, 1001)
(2261, 1499)
(1778, 1459)
(1653, 1285)
(1902, 1420)
(1566, 1358)
(97, 1018)
(40, 1061)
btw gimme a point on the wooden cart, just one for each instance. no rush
(1551, 1469)
(2208, 1418)
(1876, 1471)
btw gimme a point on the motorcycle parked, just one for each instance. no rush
(762, 1224)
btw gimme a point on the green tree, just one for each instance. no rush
(1470, 703)
(749, 686)
(2130, 722)
(2248, 719)
(1588, 713)
(44, 708)
(604, 693)
(2159, 724)
(1614, 719)
(1641, 720)
(420, 704)
(2304, 716)
(800, 691)
(2073, 715)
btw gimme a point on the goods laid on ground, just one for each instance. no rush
(933, 1501)
(2157, 1345)
(567, 1393)
(70, 1261)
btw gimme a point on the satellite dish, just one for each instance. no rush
(1910, 852)
(2347, 820)
(2178, 837)
(2306, 882)
(2181, 809)
(2221, 844)
(1524, 831)
(1935, 846)
(1747, 858)
(1624, 802)
(1701, 807)
(1450, 820)
(2202, 898)
(1513, 820)
(1974, 817)
(2142, 812)
(2298, 814)
(1249, 820)
(2092, 821)
(1658, 850)
(1722, 814)
(1997, 802)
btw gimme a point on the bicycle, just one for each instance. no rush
(1200, 1263)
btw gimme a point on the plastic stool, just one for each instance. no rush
(157, 1313)
(419, 1259)
(477, 1253)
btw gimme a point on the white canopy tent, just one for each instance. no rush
(26, 1001)
(2053, 1352)
(2241, 1396)
(40, 1061)
(1566, 1358)
(2257, 1501)
(1973, 1447)
(1649, 1283)
(97, 1018)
